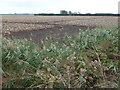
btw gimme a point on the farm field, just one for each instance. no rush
(17, 23)
(60, 51)
(38, 27)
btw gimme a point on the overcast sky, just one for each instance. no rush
(54, 6)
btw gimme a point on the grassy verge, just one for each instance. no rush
(87, 59)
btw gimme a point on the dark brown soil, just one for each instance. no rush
(37, 35)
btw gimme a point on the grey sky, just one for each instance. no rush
(54, 6)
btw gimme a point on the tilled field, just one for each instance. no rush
(26, 26)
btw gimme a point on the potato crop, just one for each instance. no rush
(60, 52)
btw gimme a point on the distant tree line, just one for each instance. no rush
(70, 13)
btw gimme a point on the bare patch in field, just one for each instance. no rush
(23, 26)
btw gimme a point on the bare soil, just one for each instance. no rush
(57, 31)
(39, 27)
